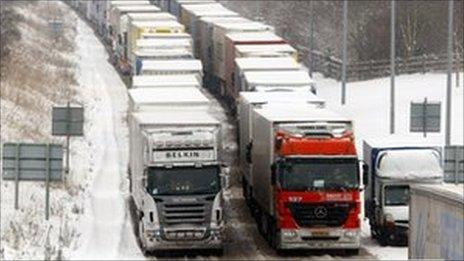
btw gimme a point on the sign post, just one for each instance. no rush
(32, 162)
(68, 121)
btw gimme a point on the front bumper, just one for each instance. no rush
(319, 239)
(185, 239)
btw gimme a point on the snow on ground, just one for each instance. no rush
(367, 103)
(106, 228)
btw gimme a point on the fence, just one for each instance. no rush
(331, 66)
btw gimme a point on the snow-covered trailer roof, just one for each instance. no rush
(183, 80)
(155, 53)
(167, 96)
(136, 8)
(299, 113)
(410, 164)
(252, 63)
(251, 48)
(175, 118)
(246, 26)
(151, 16)
(161, 23)
(128, 2)
(171, 43)
(279, 97)
(166, 36)
(171, 66)
(255, 36)
(277, 78)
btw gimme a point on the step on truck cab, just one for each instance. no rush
(306, 178)
(393, 166)
(177, 179)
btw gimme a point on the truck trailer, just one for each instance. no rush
(246, 103)
(160, 81)
(436, 222)
(305, 185)
(252, 64)
(393, 166)
(278, 81)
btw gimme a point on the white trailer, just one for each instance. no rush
(174, 99)
(248, 101)
(174, 81)
(252, 64)
(278, 80)
(177, 179)
(154, 67)
(265, 50)
(220, 30)
(436, 223)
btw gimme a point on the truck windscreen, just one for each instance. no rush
(183, 180)
(396, 195)
(319, 173)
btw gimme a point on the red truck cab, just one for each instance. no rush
(312, 199)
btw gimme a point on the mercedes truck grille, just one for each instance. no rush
(180, 213)
(320, 215)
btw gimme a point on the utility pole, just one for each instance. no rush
(450, 70)
(345, 29)
(311, 40)
(392, 67)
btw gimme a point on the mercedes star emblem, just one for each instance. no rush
(320, 212)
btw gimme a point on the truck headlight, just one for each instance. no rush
(152, 233)
(351, 234)
(389, 220)
(289, 234)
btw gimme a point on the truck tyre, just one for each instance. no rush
(143, 247)
(351, 252)
(382, 239)
(272, 234)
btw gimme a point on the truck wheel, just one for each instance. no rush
(272, 234)
(351, 252)
(143, 247)
(382, 239)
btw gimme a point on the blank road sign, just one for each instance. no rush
(31, 161)
(68, 121)
(454, 164)
(425, 117)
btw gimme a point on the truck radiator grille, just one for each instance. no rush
(320, 215)
(191, 213)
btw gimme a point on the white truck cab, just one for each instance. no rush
(392, 169)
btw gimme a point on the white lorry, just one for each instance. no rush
(177, 180)
(392, 168)
(175, 169)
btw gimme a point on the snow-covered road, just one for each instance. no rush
(106, 228)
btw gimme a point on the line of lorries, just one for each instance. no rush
(301, 175)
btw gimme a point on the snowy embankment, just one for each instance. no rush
(367, 103)
(88, 217)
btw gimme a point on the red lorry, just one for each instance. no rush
(305, 178)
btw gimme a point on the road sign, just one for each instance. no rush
(454, 164)
(29, 161)
(32, 162)
(68, 121)
(425, 116)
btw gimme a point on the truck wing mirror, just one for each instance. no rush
(248, 152)
(365, 173)
(273, 174)
(225, 181)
